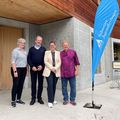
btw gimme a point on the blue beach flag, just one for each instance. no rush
(106, 16)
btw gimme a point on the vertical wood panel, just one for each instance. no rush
(0, 56)
(8, 41)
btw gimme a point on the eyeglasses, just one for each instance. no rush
(22, 42)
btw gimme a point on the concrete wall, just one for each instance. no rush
(34, 30)
(82, 44)
(108, 60)
(14, 23)
(79, 35)
(57, 31)
(82, 41)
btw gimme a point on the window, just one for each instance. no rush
(99, 66)
(116, 48)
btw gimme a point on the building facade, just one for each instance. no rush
(78, 30)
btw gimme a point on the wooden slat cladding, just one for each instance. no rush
(116, 32)
(96, 1)
(87, 10)
(82, 9)
(8, 40)
(119, 2)
(44, 11)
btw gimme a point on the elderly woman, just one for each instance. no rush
(18, 71)
(52, 71)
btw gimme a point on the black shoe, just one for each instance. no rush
(32, 102)
(20, 102)
(40, 101)
(13, 104)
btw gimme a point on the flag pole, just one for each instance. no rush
(105, 19)
(92, 105)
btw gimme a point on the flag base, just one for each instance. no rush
(92, 106)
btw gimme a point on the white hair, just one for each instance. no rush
(21, 40)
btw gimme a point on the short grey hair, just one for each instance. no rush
(65, 41)
(38, 36)
(21, 40)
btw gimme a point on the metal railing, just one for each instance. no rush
(115, 75)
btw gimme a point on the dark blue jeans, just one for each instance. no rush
(72, 82)
(51, 86)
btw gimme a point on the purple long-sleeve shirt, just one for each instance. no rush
(69, 60)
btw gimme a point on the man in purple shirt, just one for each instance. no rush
(69, 71)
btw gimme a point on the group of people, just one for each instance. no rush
(51, 64)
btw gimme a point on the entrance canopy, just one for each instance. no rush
(31, 11)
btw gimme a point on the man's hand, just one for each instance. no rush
(76, 73)
(39, 68)
(34, 68)
(76, 70)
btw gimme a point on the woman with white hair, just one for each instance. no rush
(18, 71)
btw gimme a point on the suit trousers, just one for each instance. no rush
(36, 76)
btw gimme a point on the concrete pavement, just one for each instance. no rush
(109, 98)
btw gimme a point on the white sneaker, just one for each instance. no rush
(55, 102)
(50, 105)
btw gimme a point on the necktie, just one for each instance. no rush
(53, 58)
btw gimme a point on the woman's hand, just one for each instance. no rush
(15, 74)
(53, 69)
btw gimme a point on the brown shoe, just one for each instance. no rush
(73, 103)
(65, 102)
